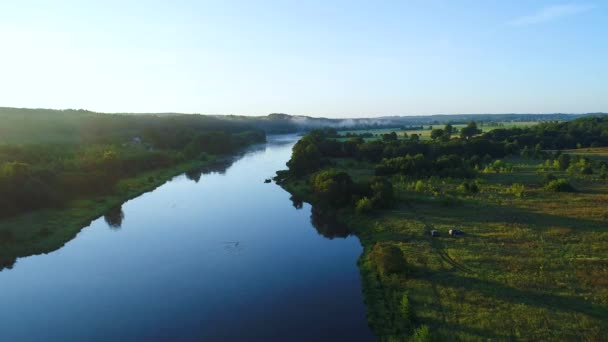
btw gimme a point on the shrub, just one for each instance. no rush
(405, 308)
(468, 188)
(364, 206)
(517, 189)
(332, 186)
(422, 334)
(419, 187)
(548, 178)
(382, 192)
(388, 259)
(559, 185)
(586, 170)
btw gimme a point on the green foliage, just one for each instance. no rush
(422, 334)
(559, 185)
(334, 187)
(470, 130)
(563, 162)
(603, 172)
(517, 190)
(104, 150)
(405, 308)
(392, 136)
(382, 192)
(364, 206)
(419, 186)
(388, 259)
(468, 188)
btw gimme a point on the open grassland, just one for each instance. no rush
(532, 265)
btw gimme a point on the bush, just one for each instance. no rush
(419, 187)
(468, 188)
(549, 178)
(364, 206)
(559, 185)
(422, 334)
(517, 189)
(405, 308)
(382, 193)
(332, 186)
(388, 259)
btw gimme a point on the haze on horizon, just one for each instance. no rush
(318, 58)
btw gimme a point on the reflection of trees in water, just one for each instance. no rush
(296, 202)
(324, 220)
(7, 238)
(114, 217)
(218, 167)
(194, 175)
(7, 263)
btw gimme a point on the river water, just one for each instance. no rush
(218, 256)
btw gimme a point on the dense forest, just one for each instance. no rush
(48, 158)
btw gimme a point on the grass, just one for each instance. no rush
(47, 230)
(532, 266)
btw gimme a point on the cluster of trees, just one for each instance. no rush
(583, 132)
(336, 188)
(45, 172)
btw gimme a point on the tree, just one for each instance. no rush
(437, 134)
(392, 136)
(538, 150)
(563, 161)
(470, 130)
(382, 192)
(422, 334)
(332, 186)
(305, 157)
(449, 129)
(364, 206)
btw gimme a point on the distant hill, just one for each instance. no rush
(23, 124)
(285, 123)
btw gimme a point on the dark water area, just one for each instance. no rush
(212, 255)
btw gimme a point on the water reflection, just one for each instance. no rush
(296, 202)
(194, 175)
(114, 217)
(327, 224)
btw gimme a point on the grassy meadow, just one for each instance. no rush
(532, 265)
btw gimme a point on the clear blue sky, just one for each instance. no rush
(320, 58)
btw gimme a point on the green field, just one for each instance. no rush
(533, 262)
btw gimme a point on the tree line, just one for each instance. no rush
(42, 171)
(443, 156)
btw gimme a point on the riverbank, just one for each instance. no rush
(44, 231)
(530, 265)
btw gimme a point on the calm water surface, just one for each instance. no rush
(217, 256)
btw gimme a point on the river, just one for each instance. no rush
(217, 256)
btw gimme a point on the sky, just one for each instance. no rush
(320, 58)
